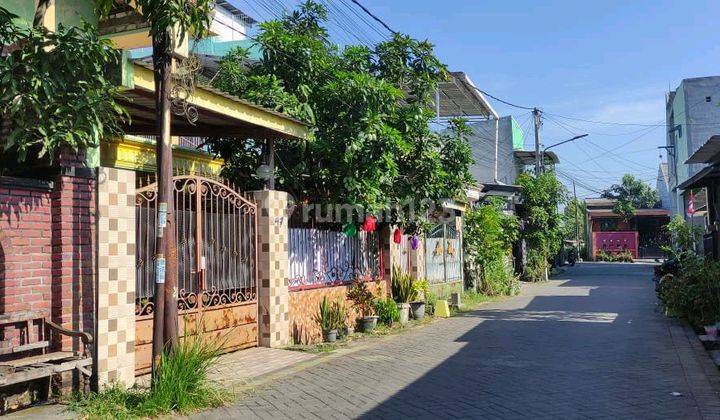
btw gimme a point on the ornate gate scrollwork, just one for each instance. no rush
(216, 239)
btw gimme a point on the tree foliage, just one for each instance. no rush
(543, 228)
(683, 235)
(572, 225)
(488, 236)
(53, 89)
(188, 17)
(631, 194)
(369, 109)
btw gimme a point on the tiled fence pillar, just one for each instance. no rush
(416, 259)
(273, 296)
(116, 277)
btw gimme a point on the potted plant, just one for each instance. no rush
(338, 318)
(402, 293)
(417, 305)
(326, 321)
(362, 299)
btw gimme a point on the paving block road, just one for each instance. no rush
(589, 344)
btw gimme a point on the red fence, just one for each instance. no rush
(615, 242)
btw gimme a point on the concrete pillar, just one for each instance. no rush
(273, 295)
(417, 258)
(115, 340)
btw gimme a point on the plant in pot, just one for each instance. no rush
(386, 310)
(362, 299)
(421, 288)
(402, 293)
(326, 321)
(338, 318)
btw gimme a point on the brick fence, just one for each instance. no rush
(47, 247)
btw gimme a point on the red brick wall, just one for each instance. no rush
(47, 248)
(25, 248)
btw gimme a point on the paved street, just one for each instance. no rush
(587, 345)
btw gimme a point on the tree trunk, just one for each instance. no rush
(41, 8)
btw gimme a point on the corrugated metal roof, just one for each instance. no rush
(148, 65)
(708, 152)
(459, 97)
(233, 10)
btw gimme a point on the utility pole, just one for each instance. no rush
(538, 122)
(577, 221)
(165, 315)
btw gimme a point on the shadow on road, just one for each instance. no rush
(589, 344)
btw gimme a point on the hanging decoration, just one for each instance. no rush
(414, 242)
(350, 230)
(397, 236)
(370, 223)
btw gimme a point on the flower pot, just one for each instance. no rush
(404, 312)
(418, 310)
(368, 323)
(330, 336)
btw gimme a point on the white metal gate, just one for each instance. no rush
(443, 254)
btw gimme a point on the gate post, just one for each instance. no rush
(417, 259)
(115, 330)
(272, 264)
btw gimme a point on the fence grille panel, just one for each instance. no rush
(318, 257)
(215, 232)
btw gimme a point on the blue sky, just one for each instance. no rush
(603, 61)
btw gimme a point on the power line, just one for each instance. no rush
(377, 19)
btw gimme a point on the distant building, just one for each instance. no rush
(482, 142)
(663, 187)
(692, 117)
(642, 234)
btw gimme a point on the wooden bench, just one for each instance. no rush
(28, 356)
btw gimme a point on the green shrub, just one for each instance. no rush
(498, 279)
(387, 311)
(624, 256)
(361, 297)
(338, 316)
(180, 385)
(430, 302)
(324, 316)
(694, 292)
(402, 286)
(421, 287)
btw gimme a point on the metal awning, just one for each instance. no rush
(219, 114)
(460, 98)
(636, 213)
(708, 152)
(706, 177)
(527, 157)
(500, 190)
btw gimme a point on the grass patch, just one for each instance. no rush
(181, 385)
(469, 300)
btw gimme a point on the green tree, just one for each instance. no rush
(571, 226)
(488, 236)
(53, 90)
(631, 194)
(683, 235)
(369, 108)
(543, 223)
